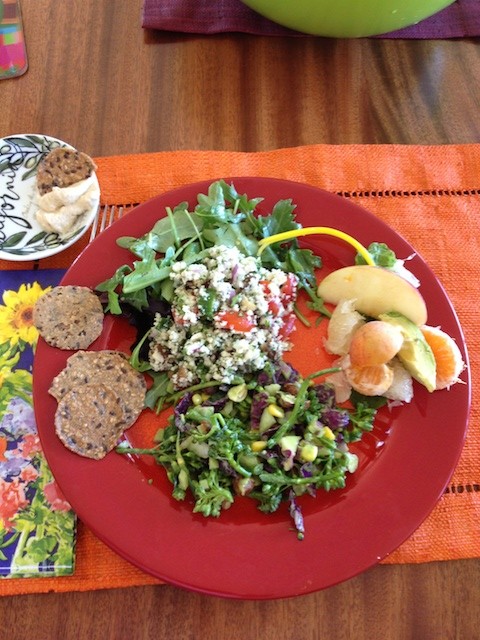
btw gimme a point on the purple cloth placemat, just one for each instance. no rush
(459, 20)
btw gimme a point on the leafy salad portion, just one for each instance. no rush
(273, 437)
(221, 218)
(207, 284)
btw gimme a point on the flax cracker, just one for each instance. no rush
(89, 420)
(113, 370)
(63, 167)
(69, 317)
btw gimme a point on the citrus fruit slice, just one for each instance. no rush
(343, 323)
(401, 388)
(370, 381)
(447, 356)
(375, 342)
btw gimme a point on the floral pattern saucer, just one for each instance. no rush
(21, 237)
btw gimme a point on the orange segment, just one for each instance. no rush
(447, 356)
(370, 381)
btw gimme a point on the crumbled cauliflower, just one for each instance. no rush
(201, 341)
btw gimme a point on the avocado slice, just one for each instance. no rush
(415, 354)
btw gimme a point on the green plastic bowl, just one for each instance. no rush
(347, 18)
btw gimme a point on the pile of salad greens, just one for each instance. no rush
(221, 217)
(272, 436)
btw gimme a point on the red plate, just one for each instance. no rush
(405, 463)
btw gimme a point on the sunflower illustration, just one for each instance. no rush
(16, 315)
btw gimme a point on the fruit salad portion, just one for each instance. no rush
(379, 329)
(379, 325)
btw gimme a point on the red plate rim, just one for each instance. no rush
(247, 554)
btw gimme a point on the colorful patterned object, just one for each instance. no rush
(37, 525)
(21, 235)
(13, 56)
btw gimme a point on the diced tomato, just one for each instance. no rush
(288, 293)
(265, 286)
(176, 318)
(235, 322)
(289, 289)
(275, 306)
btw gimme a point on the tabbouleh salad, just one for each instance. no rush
(229, 317)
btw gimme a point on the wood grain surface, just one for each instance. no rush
(98, 81)
(437, 601)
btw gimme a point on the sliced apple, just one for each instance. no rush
(375, 290)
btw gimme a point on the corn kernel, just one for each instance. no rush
(275, 411)
(308, 452)
(328, 433)
(258, 445)
(197, 399)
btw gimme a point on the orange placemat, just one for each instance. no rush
(430, 195)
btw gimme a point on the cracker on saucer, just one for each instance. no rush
(63, 167)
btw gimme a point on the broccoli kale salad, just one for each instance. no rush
(214, 312)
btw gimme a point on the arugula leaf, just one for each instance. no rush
(181, 225)
(232, 236)
(159, 390)
(109, 286)
(137, 299)
(303, 262)
(135, 361)
(138, 246)
(279, 220)
(146, 272)
(212, 207)
(239, 202)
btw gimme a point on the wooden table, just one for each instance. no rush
(99, 82)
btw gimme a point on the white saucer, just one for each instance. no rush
(21, 237)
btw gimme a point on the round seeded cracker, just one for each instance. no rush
(63, 167)
(113, 370)
(89, 420)
(69, 317)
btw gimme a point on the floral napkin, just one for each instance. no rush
(37, 525)
(459, 20)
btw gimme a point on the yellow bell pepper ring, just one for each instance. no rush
(306, 231)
